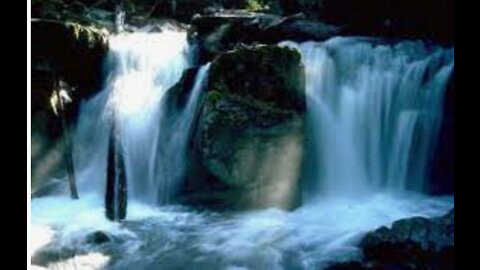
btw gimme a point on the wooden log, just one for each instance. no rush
(67, 142)
(116, 191)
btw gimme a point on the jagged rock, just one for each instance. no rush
(221, 31)
(250, 136)
(412, 243)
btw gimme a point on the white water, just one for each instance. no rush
(374, 111)
(356, 118)
(141, 68)
(170, 238)
(173, 148)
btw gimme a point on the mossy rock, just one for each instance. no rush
(270, 74)
(252, 87)
(249, 142)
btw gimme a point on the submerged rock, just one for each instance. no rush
(98, 238)
(250, 136)
(412, 243)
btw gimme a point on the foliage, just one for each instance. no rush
(255, 5)
(269, 74)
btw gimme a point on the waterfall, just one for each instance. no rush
(140, 69)
(172, 148)
(374, 111)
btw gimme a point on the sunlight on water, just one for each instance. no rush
(141, 69)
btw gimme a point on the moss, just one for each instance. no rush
(239, 112)
(257, 86)
(270, 74)
(255, 5)
(214, 96)
(90, 34)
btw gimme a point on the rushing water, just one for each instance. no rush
(141, 68)
(374, 111)
(170, 237)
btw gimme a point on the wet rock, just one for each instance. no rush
(269, 74)
(222, 31)
(413, 243)
(98, 238)
(176, 97)
(249, 140)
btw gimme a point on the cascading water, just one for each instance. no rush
(375, 111)
(141, 68)
(172, 146)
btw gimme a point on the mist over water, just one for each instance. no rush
(374, 111)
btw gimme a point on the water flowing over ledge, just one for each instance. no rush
(366, 103)
(140, 69)
(375, 111)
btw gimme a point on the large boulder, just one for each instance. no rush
(250, 136)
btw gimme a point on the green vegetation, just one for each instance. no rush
(256, 5)
(268, 74)
(263, 87)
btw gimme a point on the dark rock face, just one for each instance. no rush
(70, 51)
(249, 141)
(417, 19)
(414, 19)
(69, 54)
(443, 164)
(221, 31)
(176, 97)
(413, 243)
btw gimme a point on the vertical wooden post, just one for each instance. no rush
(67, 142)
(110, 189)
(116, 191)
(122, 184)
